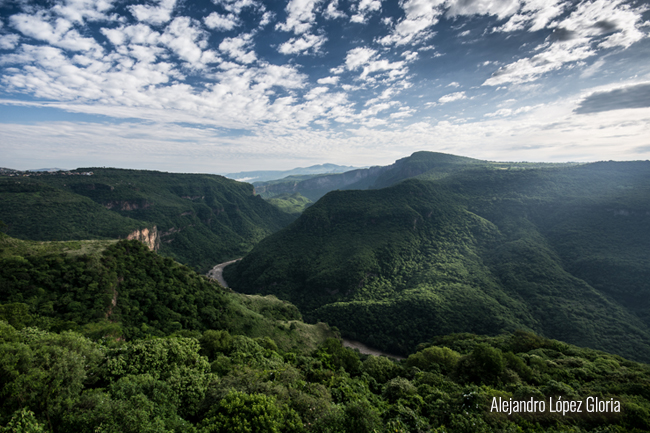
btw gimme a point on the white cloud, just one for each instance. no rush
(303, 44)
(236, 6)
(385, 95)
(534, 14)
(359, 56)
(369, 62)
(593, 69)
(530, 69)
(9, 42)
(216, 21)
(59, 33)
(300, 16)
(267, 17)
(452, 97)
(328, 80)
(237, 48)
(139, 34)
(402, 113)
(374, 109)
(420, 16)
(547, 133)
(363, 9)
(315, 92)
(154, 15)
(500, 8)
(505, 112)
(186, 39)
(84, 10)
(593, 25)
(139, 75)
(332, 11)
(409, 56)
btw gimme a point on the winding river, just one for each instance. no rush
(216, 273)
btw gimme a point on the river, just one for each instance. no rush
(216, 273)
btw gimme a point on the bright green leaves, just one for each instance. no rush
(46, 372)
(434, 358)
(23, 421)
(239, 412)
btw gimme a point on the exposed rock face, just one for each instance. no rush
(126, 205)
(148, 237)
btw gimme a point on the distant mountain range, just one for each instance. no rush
(266, 175)
(317, 185)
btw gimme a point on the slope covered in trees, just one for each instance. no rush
(123, 290)
(563, 251)
(201, 220)
(221, 383)
(107, 336)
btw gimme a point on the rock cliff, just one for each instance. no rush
(149, 237)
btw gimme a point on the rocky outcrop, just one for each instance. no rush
(149, 237)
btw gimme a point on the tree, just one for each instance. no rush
(239, 412)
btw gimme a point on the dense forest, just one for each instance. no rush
(561, 251)
(503, 286)
(201, 220)
(108, 336)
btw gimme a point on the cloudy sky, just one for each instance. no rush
(231, 85)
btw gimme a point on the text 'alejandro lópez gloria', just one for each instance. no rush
(590, 404)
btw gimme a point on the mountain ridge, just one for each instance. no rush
(519, 248)
(201, 219)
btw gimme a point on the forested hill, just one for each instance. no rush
(200, 220)
(563, 251)
(107, 336)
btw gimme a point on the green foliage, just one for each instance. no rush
(23, 421)
(434, 358)
(127, 291)
(293, 204)
(214, 343)
(201, 219)
(335, 356)
(362, 417)
(469, 246)
(380, 368)
(485, 364)
(250, 413)
(16, 314)
(67, 383)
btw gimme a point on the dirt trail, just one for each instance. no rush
(216, 273)
(365, 350)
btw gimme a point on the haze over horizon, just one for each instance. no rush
(239, 85)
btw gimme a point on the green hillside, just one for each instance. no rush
(107, 336)
(124, 290)
(201, 220)
(563, 251)
(293, 204)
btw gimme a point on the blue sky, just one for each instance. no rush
(232, 85)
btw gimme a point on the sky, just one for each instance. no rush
(218, 86)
